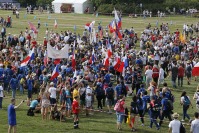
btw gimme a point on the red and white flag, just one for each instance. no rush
(195, 70)
(55, 73)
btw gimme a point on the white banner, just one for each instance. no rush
(57, 54)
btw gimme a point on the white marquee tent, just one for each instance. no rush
(78, 6)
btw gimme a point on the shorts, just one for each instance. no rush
(88, 104)
(82, 102)
(52, 101)
(109, 102)
(29, 93)
(68, 106)
(120, 117)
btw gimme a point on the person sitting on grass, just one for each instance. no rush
(34, 106)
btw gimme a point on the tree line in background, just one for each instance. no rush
(130, 6)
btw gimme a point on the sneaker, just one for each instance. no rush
(158, 128)
(142, 125)
(182, 120)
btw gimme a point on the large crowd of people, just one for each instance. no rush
(149, 59)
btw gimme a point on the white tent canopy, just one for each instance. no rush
(79, 6)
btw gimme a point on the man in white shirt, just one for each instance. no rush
(88, 99)
(1, 96)
(174, 125)
(148, 74)
(52, 90)
(195, 124)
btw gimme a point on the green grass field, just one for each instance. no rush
(99, 122)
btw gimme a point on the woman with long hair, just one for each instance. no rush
(45, 101)
(185, 102)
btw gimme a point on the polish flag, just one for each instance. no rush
(109, 51)
(55, 73)
(106, 61)
(195, 70)
(28, 58)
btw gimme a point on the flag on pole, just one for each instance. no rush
(73, 59)
(55, 24)
(117, 20)
(28, 58)
(55, 73)
(45, 58)
(93, 56)
(32, 27)
(89, 26)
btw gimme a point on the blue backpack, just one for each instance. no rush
(186, 101)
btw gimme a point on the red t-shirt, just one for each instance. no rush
(34, 43)
(45, 42)
(180, 71)
(75, 107)
(28, 37)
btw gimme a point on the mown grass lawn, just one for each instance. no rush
(99, 122)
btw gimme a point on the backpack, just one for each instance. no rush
(169, 105)
(123, 90)
(110, 93)
(117, 107)
(134, 108)
(156, 106)
(129, 80)
(186, 101)
(182, 128)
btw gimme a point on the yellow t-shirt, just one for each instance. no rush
(75, 93)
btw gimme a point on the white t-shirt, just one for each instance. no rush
(175, 126)
(52, 91)
(196, 95)
(88, 91)
(195, 126)
(149, 73)
(1, 91)
(161, 74)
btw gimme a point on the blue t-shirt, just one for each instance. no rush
(13, 83)
(68, 100)
(34, 103)
(145, 100)
(107, 78)
(30, 84)
(12, 115)
(141, 90)
(1, 72)
(118, 90)
(140, 104)
(164, 103)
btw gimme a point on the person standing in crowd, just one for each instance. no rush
(154, 109)
(12, 116)
(165, 109)
(174, 74)
(45, 102)
(148, 74)
(134, 112)
(39, 24)
(109, 92)
(155, 74)
(152, 89)
(174, 125)
(161, 76)
(68, 100)
(75, 108)
(188, 72)
(119, 108)
(82, 94)
(13, 85)
(99, 92)
(89, 94)
(195, 124)
(186, 103)
(1, 95)
(196, 97)
(30, 83)
(181, 71)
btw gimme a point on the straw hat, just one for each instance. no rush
(175, 115)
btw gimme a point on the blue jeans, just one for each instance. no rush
(120, 117)
(1, 100)
(21, 89)
(185, 108)
(13, 93)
